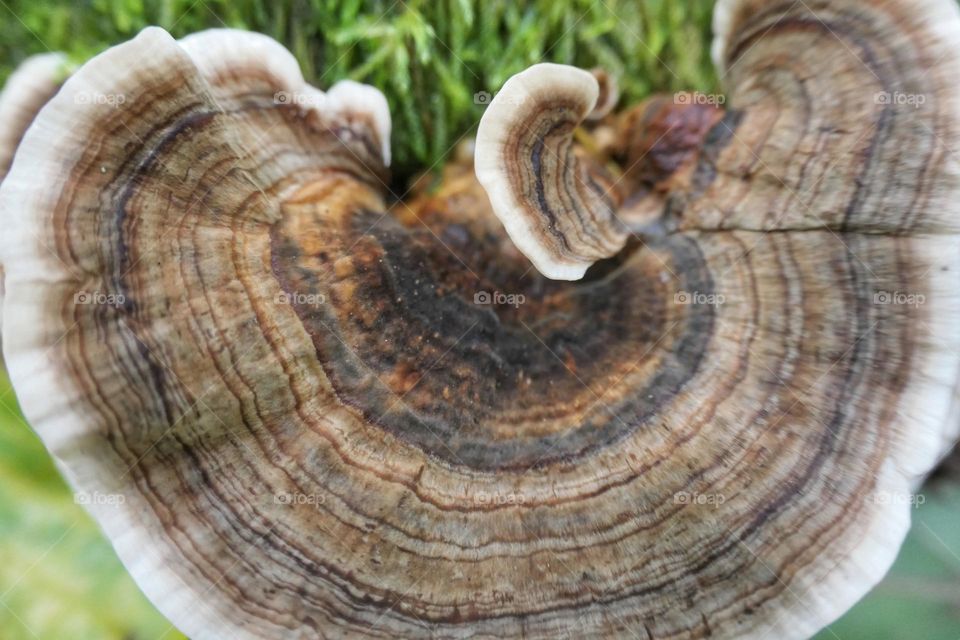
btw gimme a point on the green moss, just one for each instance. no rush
(428, 56)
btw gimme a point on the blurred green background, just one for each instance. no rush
(59, 578)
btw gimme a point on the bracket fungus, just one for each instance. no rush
(548, 197)
(30, 86)
(608, 93)
(33, 83)
(332, 418)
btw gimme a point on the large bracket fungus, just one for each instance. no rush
(330, 418)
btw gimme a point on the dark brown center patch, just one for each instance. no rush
(462, 349)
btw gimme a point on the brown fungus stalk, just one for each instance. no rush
(327, 418)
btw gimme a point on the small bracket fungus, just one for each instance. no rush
(556, 213)
(330, 418)
(608, 93)
(29, 87)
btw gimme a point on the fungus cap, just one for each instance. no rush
(560, 218)
(608, 94)
(28, 88)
